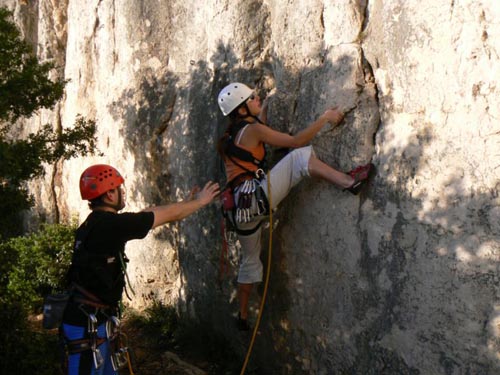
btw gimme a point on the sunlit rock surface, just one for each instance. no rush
(403, 279)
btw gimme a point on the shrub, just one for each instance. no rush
(158, 323)
(31, 267)
(35, 265)
(26, 87)
(162, 329)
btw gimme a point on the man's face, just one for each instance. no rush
(119, 197)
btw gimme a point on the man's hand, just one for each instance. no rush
(209, 192)
(180, 210)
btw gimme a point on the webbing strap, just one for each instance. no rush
(248, 232)
(81, 345)
(233, 150)
(85, 301)
(85, 292)
(124, 268)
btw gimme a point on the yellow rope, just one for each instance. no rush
(129, 364)
(124, 337)
(268, 273)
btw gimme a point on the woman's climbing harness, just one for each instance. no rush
(243, 199)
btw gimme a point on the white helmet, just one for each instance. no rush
(232, 96)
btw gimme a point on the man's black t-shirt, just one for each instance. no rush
(96, 265)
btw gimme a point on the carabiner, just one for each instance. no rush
(112, 327)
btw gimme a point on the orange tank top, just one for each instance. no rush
(233, 170)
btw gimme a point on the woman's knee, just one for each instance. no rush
(301, 159)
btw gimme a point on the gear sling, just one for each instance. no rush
(251, 198)
(83, 268)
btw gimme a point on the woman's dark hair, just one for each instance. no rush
(233, 118)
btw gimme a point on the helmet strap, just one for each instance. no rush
(118, 205)
(248, 114)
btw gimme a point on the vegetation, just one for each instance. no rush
(30, 268)
(157, 324)
(24, 82)
(34, 265)
(160, 329)
(25, 88)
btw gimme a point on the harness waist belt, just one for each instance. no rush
(81, 345)
(248, 232)
(240, 179)
(85, 301)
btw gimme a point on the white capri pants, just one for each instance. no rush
(284, 176)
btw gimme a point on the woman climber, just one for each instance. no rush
(243, 152)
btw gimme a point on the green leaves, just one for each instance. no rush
(35, 265)
(25, 87)
(30, 268)
(23, 159)
(24, 81)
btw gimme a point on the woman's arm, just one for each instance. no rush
(261, 133)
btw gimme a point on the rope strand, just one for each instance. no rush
(268, 273)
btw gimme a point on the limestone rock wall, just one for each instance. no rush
(402, 279)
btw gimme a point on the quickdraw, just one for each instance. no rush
(92, 331)
(251, 199)
(119, 350)
(120, 356)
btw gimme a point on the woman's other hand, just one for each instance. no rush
(265, 106)
(333, 116)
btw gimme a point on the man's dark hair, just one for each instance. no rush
(97, 202)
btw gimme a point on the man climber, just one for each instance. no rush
(97, 274)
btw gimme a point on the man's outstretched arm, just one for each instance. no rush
(180, 210)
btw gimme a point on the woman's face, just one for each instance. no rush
(254, 104)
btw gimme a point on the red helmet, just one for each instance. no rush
(98, 179)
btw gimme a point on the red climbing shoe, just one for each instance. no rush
(360, 175)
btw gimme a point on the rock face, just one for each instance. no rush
(403, 279)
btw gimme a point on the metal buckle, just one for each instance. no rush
(259, 173)
(119, 358)
(92, 324)
(98, 359)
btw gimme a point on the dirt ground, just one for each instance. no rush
(183, 358)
